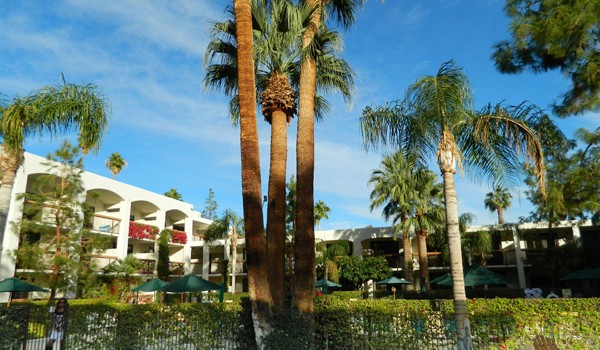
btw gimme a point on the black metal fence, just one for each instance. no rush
(340, 325)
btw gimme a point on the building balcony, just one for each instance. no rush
(142, 231)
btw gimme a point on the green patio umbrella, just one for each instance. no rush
(326, 284)
(582, 275)
(13, 284)
(394, 280)
(191, 283)
(151, 285)
(476, 276)
(441, 278)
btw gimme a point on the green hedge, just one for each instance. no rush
(343, 321)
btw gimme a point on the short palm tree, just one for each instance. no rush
(51, 110)
(321, 212)
(498, 201)
(327, 256)
(427, 215)
(436, 117)
(115, 163)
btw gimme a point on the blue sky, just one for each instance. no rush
(147, 59)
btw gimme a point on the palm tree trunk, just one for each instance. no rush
(276, 209)
(9, 165)
(456, 267)
(408, 260)
(500, 216)
(258, 284)
(304, 253)
(423, 260)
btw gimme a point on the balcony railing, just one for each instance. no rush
(105, 224)
(142, 231)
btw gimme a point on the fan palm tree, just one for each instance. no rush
(173, 193)
(498, 201)
(344, 10)
(115, 163)
(49, 111)
(393, 188)
(436, 117)
(258, 284)
(277, 29)
(321, 212)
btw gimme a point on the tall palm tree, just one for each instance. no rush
(277, 29)
(498, 201)
(115, 163)
(258, 283)
(303, 288)
(51, 110)
(436, 117)
(393, 188)
(321, 212)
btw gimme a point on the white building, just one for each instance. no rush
(130, 217)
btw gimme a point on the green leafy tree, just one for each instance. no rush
(115, 164)
(497, 201)
(436, 117)
(210, 206)
(321, 212)
(52, 223)
(51, 110)
(291, 206)
(358, 270)
(173, 193)
(162, 265)
(572, 177)
(556, 34)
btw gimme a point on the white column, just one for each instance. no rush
(205, 259)
(518, 258)
(11, 236)
(123, 238)
(187, 248)
(160, 223)
(357, 247)
(576, 233)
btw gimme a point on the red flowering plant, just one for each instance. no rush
(142, 231)
(179, 237)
